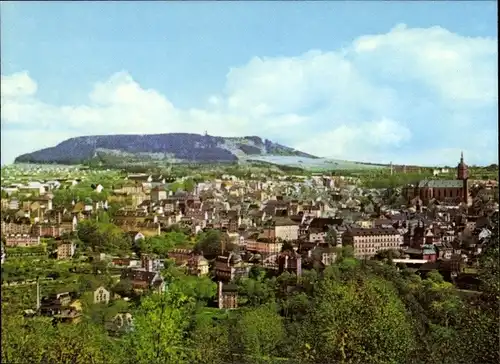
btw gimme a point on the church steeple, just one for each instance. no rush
(463, 175)
(462, 169)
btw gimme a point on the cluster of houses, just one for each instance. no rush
(63, 307)
(284, 224)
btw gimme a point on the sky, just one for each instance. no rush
(407, 82)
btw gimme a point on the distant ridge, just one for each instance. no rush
(174, 147)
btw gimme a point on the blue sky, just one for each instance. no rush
(408, 82)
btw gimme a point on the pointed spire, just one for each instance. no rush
(462, 156)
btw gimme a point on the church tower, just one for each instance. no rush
(463, 175)
(462, 169)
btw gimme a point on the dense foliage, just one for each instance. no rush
(353, 312)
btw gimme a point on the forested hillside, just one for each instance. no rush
(353, 312)
(175, 146)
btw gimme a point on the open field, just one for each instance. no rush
(314, 163)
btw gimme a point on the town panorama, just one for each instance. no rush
(249, 182)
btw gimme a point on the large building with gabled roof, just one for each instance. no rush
(447, 191)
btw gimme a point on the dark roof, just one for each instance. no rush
(322, 222)
(283, 221)
(158, 188)
(277, 203)
(442, 265)
(483, 221)
(138, 178)
(296, 218)
(382, 222)
(17, 220)
(139, 275)
(290, 254)
(441, 183)
(230, 287)
(413, 251)
(429, 266)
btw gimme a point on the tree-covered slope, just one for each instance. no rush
(175, 146)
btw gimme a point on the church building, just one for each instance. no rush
(448, 191)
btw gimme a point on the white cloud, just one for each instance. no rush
(370, 100)
(18, 85)
(360, 142)
(460, 68)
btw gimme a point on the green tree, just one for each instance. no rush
(257, 333)
(174, 187)
(200, 289)
(189, 185)
(102, 237)
(123, 288)
(212, 243)
(256, 292)
(159, 330)
(359, 321)
(37, 340)
(331, 236)
(211, 342)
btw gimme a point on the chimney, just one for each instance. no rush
(223, 247)
(219, 295)
(38, 293)
(299, 266)
(147, 263)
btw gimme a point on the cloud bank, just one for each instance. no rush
(407, 96)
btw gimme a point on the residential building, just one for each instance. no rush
(121, 323)
(23, 240)
(282, 228)
(263, 247)
(368, 242)
(147, 277)
(14, 204)
(180, 256)
(324, 254)
(227, 295)
(158, 194)
(65, 250)
(101, 295)
(16, 226)
(58, 306)
(198, 265)
(230, 267)
(290, 261)
(52, 230)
